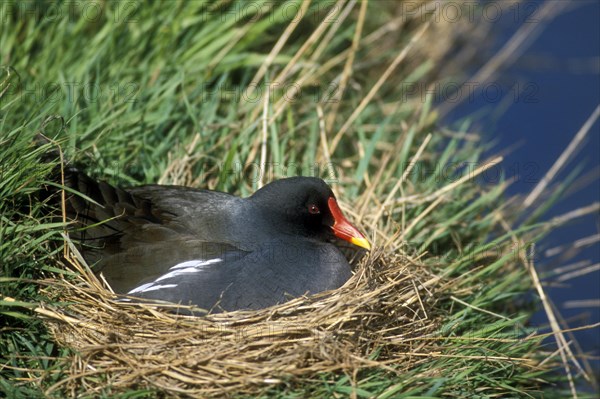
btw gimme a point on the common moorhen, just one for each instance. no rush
(212, 249)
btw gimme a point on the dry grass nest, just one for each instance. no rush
(379, 317)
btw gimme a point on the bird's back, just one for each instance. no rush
(134, 235)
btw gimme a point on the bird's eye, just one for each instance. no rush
(313, 209)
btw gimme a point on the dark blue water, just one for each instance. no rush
(546, 97)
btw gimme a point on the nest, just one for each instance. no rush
(377, 319)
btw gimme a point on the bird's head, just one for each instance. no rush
(307, 206)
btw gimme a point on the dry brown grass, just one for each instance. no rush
(382, 308)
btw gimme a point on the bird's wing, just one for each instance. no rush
(106, 211)
(200, 281)
(273, 274)
(135, 235)
(140, 264)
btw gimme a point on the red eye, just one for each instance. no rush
(313, 209)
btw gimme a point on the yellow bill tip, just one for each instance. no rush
(361, 242)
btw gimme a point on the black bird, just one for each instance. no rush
(209, 248)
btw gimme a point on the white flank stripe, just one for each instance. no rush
(179, 272)
(196, 263)
(190, 266)
(140, 288)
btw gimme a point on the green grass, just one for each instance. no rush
(143, 84)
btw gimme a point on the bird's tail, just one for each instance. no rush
(88, 205)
